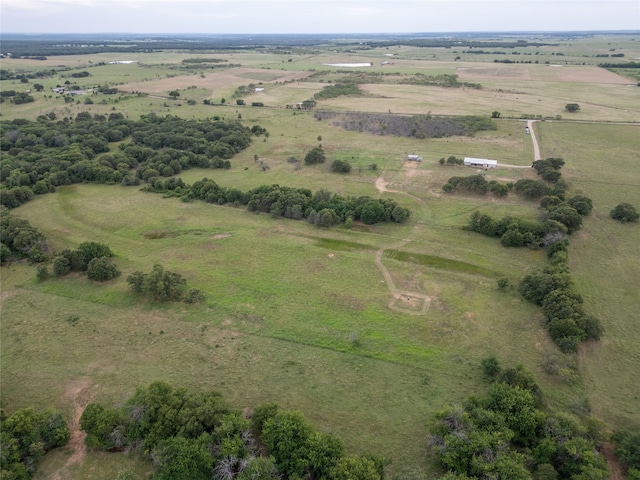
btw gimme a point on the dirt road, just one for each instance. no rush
(536, 148)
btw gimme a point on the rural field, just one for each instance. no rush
(368, 330)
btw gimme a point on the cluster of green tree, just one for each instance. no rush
(446, 80)
(340, 166)
(534, 189)
(452, 160)
(315, 155)
(506, 433)
(81, 74)
(25, 437)
(516, 232)
(624, 212)
(39, 156)
(162, 286)
(105, 90)
(368, 77)
(17, 98)
(554, 290)
(11, 75)
(627, 450)
(477, 184)
(337, 90)
(196, 435)
(19, 239)
(620, 65)
(89, 257)
(560, 218)
(549, 169)
(419, 126)
(321, 208)
(243, 90)
(7, 94)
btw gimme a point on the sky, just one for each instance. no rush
(315, 16)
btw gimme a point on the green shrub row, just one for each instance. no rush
(322, 208)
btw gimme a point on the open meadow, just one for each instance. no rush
(368, 330)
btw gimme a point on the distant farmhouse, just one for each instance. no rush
(480, 162)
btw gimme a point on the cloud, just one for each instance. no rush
(315, 16)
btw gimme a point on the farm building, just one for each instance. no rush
(414, 158)
(480, 162)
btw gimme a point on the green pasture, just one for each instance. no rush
(301, 315)
(294, 314)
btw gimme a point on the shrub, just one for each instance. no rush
(160, 284)
(572, 107)
(61, 266)
(340, 166)
(101, 269)
(582, 204)
(315, 155)
(625, 212)
(491, 367)
(43, 273)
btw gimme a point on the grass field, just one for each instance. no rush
(305, 316)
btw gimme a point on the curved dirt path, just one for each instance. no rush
(536, 148)
(400, 297)
(79, 393)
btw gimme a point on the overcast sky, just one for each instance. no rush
(314, 16)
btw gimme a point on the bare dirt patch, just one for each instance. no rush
(6, 295)
(471, 73)
(79, 393)
(222, 235)
(615, 469)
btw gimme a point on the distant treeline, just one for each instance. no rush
(39, 156)
(459, 42)
(204, 60)
(620, 65)
(420, 126)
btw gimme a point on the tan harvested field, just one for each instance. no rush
(546, 73)
(219, 80)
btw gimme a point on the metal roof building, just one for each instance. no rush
(480, 162)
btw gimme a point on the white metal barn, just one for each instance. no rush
(480, 162)
(414, 158)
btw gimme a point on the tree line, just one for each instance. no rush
(552, 288)
(321, 208)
